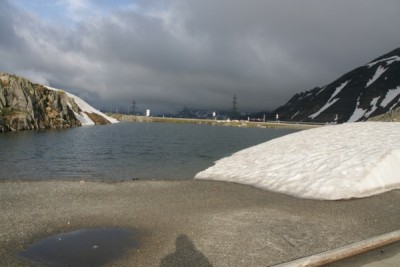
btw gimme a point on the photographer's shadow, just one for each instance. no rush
(186, 254)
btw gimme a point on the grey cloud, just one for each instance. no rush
(200, 53)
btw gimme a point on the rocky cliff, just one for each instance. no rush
(28, 106)
(365, 92)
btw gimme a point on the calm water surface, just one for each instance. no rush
(84, 247)
(123, 150)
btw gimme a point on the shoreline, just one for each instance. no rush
(226, 123)
(231, 224)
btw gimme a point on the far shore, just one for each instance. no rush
(229, 224)
(232, 123)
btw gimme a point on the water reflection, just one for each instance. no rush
(85, 247)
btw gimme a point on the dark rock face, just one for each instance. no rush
(365, 92)
(28, 106)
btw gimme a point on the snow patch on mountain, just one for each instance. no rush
(350, 160)
(338, 89)
(374, 106)
(388, 60)
(85, 108)
(360, 112)
(322, 89)
(390, 95)
(327, 105)
(330, 102)
(295, 115)
(379, 71)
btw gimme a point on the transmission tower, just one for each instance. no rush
(133, 107)
(234, 107)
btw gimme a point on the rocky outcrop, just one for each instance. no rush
(392, 115)
(365, 92)
(28, 106)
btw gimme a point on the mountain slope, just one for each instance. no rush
(28, 106)
(367, 91)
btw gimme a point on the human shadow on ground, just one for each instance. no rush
(185, 255)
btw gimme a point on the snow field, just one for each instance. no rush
(344, 161)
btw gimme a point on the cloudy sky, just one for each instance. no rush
(175, 53)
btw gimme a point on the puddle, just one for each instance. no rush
(85, 247)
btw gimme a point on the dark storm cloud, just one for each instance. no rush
(199, 53)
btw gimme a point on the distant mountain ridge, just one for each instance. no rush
(28, 106)
(365, 92)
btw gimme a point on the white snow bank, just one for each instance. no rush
(332, 162)
(85, 107)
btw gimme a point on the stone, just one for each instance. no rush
(28, 106)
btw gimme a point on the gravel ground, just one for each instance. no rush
(222, 224)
